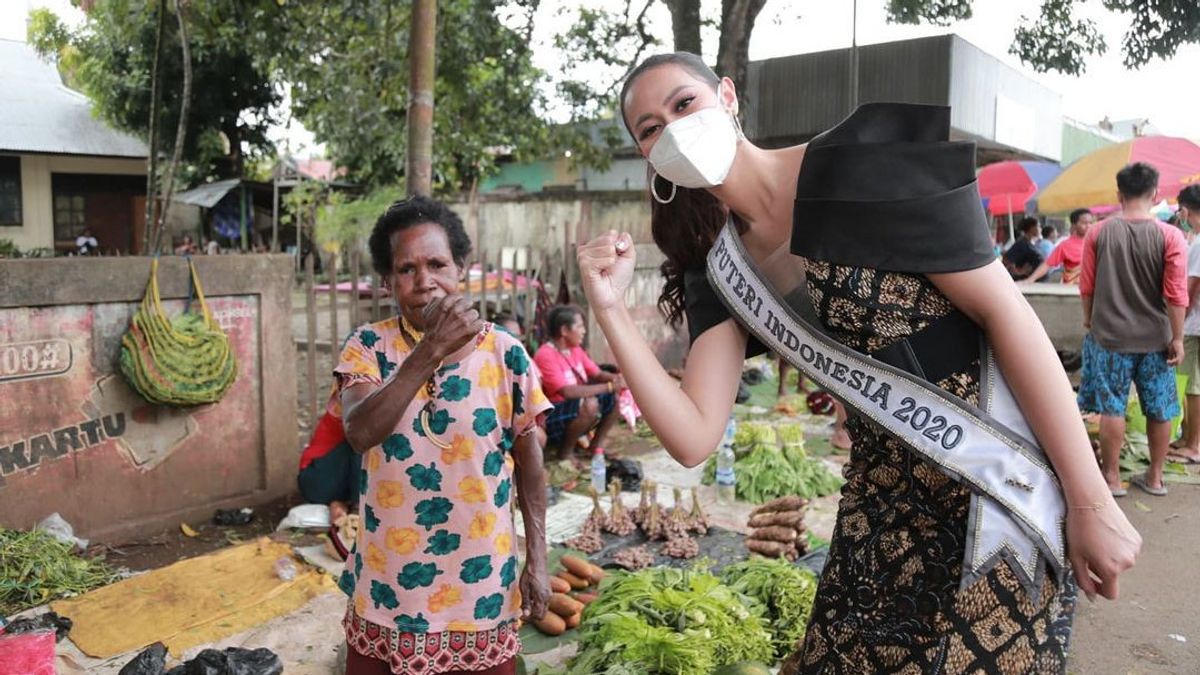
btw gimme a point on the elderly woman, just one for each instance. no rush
(443, 408)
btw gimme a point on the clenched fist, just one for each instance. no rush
(606, 266)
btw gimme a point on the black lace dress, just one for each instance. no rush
(883, 191)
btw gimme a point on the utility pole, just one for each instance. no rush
(421, 52)
(854, 59)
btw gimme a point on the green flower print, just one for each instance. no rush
(368, 338)
(443, 542)
(346, 582)
(371, 520)
(433, 511)
(516, 360)
(455, 388)
(426, 478)
(508, 573)
(383, 595)
(507, 440)
(485, 421)
(493, 463)
(385, 366)
(417, 575)
(358, 563)
(488, 607)
(397, 447)
(447, 369)
(502, 493)
(476, 569)
(412, 624)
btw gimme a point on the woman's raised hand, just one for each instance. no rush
(1101, 544)
(450, 323)
(606, 266)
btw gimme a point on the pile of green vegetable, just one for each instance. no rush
(782, 591)
(36, 568)
(770, 462)
(664, 620)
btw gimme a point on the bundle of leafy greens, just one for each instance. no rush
(783, 592)
(664, 620)
(766, 471)
(36, 568)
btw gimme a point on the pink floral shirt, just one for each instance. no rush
(436, 550)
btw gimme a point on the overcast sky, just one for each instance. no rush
(795, 26)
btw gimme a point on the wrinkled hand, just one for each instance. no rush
(535, 594)
(450, 323)
(1101, 544)
(1175, 353)
(606, 266)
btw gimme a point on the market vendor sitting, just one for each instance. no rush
(584, 396)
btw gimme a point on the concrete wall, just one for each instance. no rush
(74, 438)
(1061, 312)
(37, 203)
(555, 223)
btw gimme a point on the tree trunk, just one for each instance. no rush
(685, 24)
(733, 57)
(422, 43)
(181, 130)
(152, 160)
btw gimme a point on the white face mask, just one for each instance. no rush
(697, 151)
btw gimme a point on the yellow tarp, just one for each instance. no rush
(192, 602)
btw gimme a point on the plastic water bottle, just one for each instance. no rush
(726, 479)
(599, 479)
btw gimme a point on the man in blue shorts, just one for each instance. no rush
(1134, 291)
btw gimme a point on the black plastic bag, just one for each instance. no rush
(61, 625)
(232, 661)
(629, 471)
(233, 517)
(152, 661)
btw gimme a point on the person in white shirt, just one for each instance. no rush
(85, 244)
(1187, 448)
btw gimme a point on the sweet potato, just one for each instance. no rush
(551, 624)
(586, 598)
(775, 533)
(782, 518)
(559, 585)
(575, 582)
(577, 566)
(564, 605)
(783, 504)
(573, 620)
(597, 574)
(770, 549)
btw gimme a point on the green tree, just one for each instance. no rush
(347, 65)
(111, 56)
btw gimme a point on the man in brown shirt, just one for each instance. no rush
(1134, 291)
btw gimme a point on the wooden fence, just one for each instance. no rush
(532, 264)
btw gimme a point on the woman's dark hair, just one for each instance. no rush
(561, 317)
(1190, 197)
(1137, 180)
(686, 228)
(416, 211)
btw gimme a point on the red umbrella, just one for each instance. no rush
(1006, 186)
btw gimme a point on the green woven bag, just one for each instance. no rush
(183, 361)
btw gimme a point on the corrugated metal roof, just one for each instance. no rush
(40, 114)
(207, 195)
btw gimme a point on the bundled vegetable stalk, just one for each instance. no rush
(588, 540)
(663, 620)
(679, 544)
(785, 593)
(766, 471)
(777, 528)
(697, 519)
(619, 521)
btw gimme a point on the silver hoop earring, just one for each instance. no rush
(654, 191)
